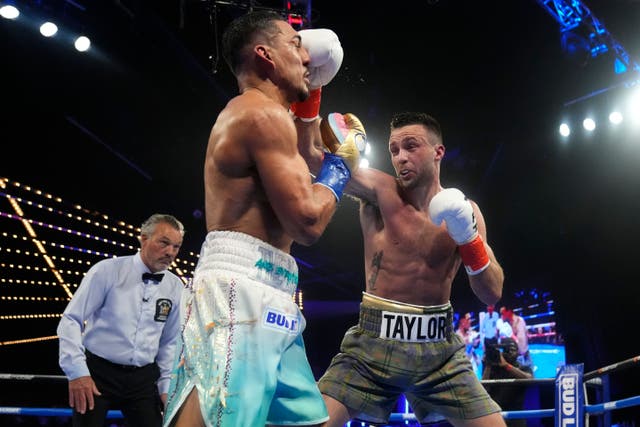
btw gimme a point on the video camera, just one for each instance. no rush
(492, 352)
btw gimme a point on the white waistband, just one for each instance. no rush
(244, 254)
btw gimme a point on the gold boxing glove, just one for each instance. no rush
(344, 135)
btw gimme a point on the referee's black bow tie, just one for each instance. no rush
(157, 277)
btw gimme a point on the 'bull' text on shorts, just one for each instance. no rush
(282, 322)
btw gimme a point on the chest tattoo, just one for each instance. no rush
(375, 268)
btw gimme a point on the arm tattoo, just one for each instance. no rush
(375, 263)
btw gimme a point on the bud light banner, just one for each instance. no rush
(569, 411)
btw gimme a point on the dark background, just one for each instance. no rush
(122, 129)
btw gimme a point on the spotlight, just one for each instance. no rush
(82, 44)
(364, 163)
(615, 117)
(634, 106)
(564, 130)
(589, 124)
(48, 29)
(9, 12)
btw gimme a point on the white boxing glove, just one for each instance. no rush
(325, 52)
(451, 206)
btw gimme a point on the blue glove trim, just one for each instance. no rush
(334, 174)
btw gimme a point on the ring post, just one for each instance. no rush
(569, 396)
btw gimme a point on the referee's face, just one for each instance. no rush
(160, 248)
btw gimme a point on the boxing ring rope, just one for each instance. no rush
(43, 412)
(50, 412)
(612, 368)
(597, 378)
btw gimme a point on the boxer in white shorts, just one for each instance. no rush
(242, 338)
(242, 361)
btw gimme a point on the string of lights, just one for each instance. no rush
(12, 281)
(120, 226)
(125, 231)
(35, 254)
(66, 230)
(43, 269)
(47, 245)
(27, 225)
(31, 316)
(29, 340)
(28, 298)
(297, 298)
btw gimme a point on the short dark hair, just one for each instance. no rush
(412, 118)
(240, 32)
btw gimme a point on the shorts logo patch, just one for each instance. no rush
(271, 269)
(413, 327)
(281, 322)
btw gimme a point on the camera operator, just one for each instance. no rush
(502, 365)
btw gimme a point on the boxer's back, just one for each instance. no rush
(235, 198)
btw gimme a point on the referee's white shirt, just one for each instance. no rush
(128, 321)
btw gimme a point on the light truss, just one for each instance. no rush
(574, 14)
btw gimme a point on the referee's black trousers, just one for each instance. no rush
(131, 389)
